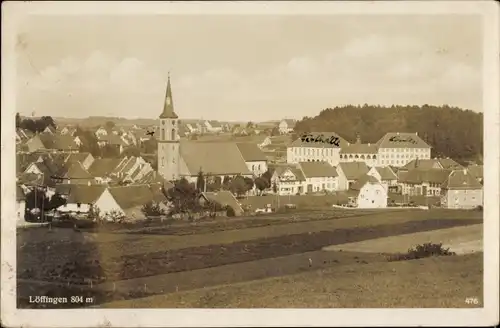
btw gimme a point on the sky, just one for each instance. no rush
(246, 67)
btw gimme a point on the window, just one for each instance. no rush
(173, 136)
(163, 133)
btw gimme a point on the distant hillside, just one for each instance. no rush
(451, 131)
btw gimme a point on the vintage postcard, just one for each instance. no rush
(250, 164)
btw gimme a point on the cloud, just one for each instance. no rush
(372, 69)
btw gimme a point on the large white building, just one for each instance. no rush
(393, 149)
(398, 149)
(316, 147)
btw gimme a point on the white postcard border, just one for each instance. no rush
(12, 15)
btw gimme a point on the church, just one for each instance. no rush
(178, 159)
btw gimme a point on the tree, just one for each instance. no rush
(238, 186)
(109, 125)
(37, 199)
(200, 181)
(267, 176)
(275, 131)
(275, 188)
(261, 184)
(183, 198)
(226, 183)
(249, 182)
(216, 185)
(250, 125)
(46, 121)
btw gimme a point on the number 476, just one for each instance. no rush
(471, 300)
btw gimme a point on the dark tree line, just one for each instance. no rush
(35, 125)
(451, 131)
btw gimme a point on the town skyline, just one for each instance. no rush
(217, 74)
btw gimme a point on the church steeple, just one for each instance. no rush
(168, 107)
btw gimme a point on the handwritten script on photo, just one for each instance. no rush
(332, 140)
(402, 139)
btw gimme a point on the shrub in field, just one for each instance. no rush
(114, 216)
(421, 251)
(152, 209)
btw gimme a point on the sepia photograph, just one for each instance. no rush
(267, 159)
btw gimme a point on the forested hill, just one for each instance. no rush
(452, 132)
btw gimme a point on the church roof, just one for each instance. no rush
(168, 107)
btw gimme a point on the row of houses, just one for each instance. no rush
(458, 187)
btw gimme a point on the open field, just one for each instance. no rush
(130, 265)
(442, 282)
(89, 264)
(468, 239)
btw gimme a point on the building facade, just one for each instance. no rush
(397, 149)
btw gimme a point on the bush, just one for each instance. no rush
(479, 208)
(421, 251)
(152, 209)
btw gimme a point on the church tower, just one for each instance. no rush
(168, 141)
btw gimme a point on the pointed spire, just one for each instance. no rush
(168, 107)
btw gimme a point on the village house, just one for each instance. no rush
(112, 140)
(477, 172)
(398, 149)
(85, 158)
(289, 179)
(434, 163)
(124, 201)
(49, 130)
(57, 142)
(33, 144)
(319, 176)
(368, 192)
(67, 130)
(255, 159)
(386, 176)
(213, 126)
(358, 152)
(422, 182)
(78, 141)
(320, 146)
(101, 131)
(286, 126)
(349, 173)
(22, 135)
(102, 170)
(461, 190)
